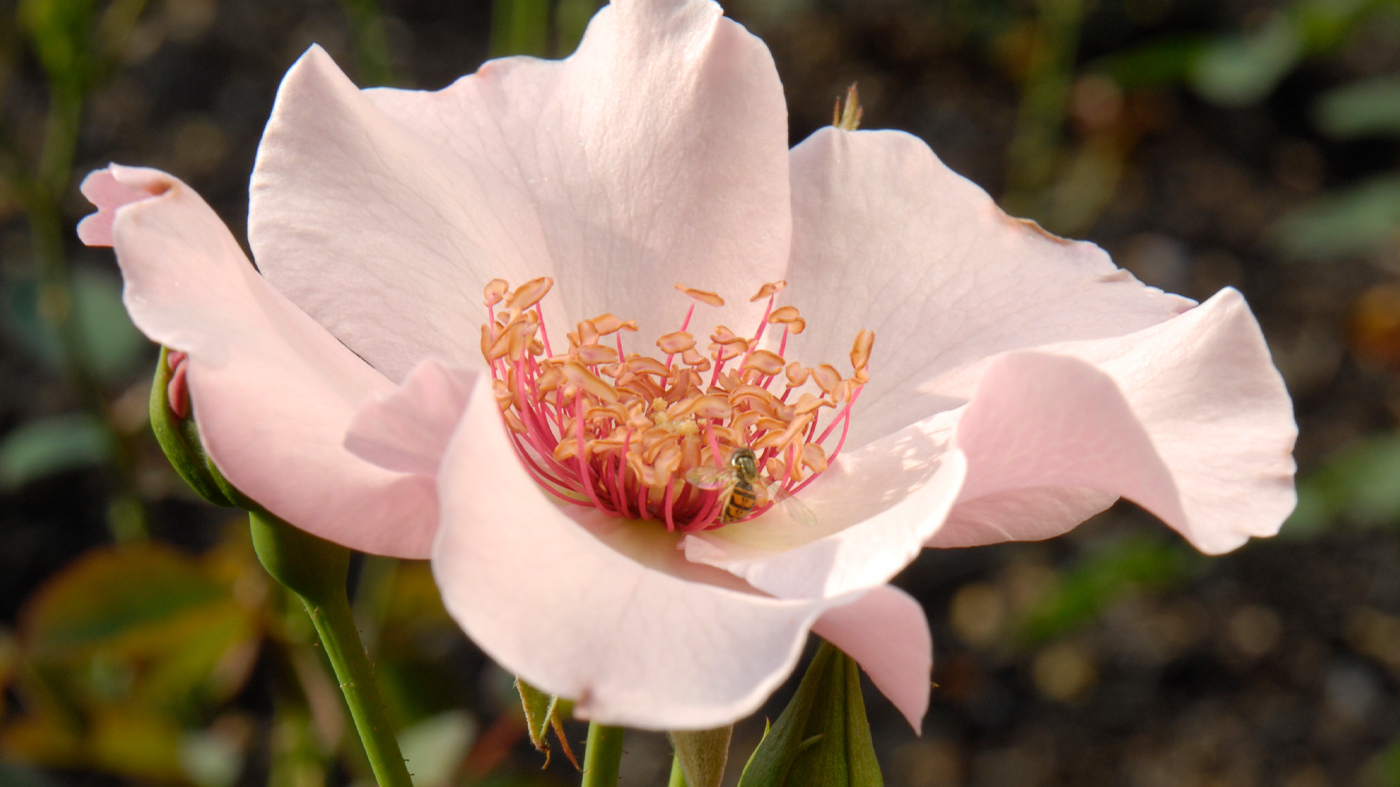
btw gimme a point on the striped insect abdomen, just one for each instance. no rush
(741, 501)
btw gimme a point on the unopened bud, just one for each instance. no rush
(173, 423)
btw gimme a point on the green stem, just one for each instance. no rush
(316, 570)
(604, 755)
(677, 773)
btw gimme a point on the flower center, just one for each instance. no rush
(694, 440)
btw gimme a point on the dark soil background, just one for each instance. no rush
(1112, 656)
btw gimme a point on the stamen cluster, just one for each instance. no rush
(622, 431)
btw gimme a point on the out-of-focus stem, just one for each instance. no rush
(371, 45)
(1044, 102)
(603, 759)
(519, 27)
(316, 571)
(40, 199)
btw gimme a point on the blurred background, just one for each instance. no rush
(1204, 143)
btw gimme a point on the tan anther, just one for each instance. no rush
(613, 410)
(752, 394)
(745, 419)
(695, 360)
(827, 378)
(723, 335)
(788, 316)
(550, 378)
(780, 440)
(639, 422)
(814, 457)
(860, 352)
(504, 396)
(607, 324)
(769, 289)
(728, 352)
(529, 294)
(486, 342)
(709, 406)
(797, 374)
(589, 382)
(565, 451)
(514, 423)
(510, 341)
(676, 342)
(774, 467)
(862, 376)
(771, 424)
(587, 334)
(764, 362)
(704, 296)
(806, 403)
(596, 355)
(641, 364)
(726, 436)
(496, 289)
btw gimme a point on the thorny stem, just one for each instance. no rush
(603, 757)
(316, 571)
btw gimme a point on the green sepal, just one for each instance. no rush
(702, 754)
(543, 712)
(822, 738)
(179, 439)
(311, 567)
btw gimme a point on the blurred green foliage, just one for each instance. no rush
(1100, 579)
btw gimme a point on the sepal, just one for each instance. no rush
(822, 738)
(179, 439)
(703, 754)
(542, 713)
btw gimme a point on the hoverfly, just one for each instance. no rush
(741, 489)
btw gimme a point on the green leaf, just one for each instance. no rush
(1242, 70)
(1368, 107)
(111, 342)
(1345, 223)
(111, 593)
(436, 746)
(1100, 580)
(822, 738)
(52, 445)
(1164, 62)
(1357, 482)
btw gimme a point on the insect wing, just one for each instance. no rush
(795, 509)
(710, 477)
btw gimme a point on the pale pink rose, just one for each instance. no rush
(1019, 383)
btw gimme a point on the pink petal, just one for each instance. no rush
(102, 189)
(273, 392)
(874, 507)
(886, 237)
(657, 151)
(408, 430)
(637, 638)
(1189, 419)
(887, 633)
(1030, 514)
